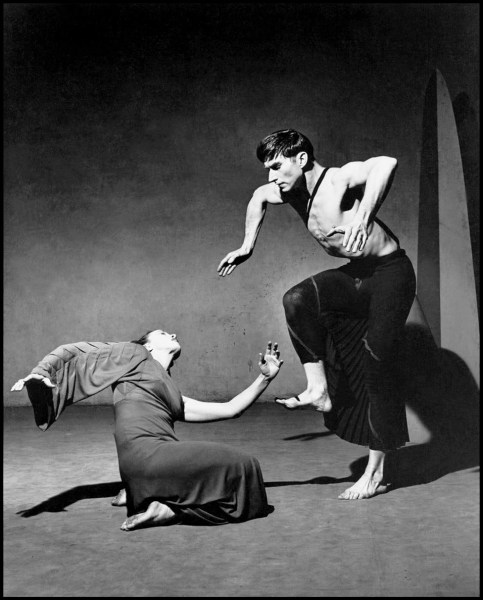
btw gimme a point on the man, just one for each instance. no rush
(344, 323)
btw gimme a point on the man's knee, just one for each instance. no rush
(294, 299)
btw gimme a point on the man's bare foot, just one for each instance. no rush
(155, 515)
(366, 487)
(120, 499)
(319, 399)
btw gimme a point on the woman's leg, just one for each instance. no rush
(120, 499)
(192, 482)
(156, 514)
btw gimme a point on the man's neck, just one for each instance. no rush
(312, 175)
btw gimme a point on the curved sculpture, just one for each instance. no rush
(446, 282)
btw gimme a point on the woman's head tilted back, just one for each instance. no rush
(286, 142)
(143, 339)
(158, 339)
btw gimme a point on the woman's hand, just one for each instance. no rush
(19, 385)
(270, 362)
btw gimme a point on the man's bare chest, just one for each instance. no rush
(331, 208)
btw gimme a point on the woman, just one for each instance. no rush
(166, 480)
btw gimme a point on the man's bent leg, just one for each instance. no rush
(316, 393)
(308, 338)
(305, 306)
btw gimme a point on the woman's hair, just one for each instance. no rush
(143, 339)
(286, 142)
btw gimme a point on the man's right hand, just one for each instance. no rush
(232, 260)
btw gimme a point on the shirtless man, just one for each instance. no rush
(374, 291)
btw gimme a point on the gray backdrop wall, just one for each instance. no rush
(130, 136)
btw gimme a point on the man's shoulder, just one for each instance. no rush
(342, 175)
(268, 192)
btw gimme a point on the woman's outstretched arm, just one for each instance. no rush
(73, 372)
(269, 363)
(19, 385)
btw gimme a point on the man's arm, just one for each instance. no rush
(377, 175)
(256, 210)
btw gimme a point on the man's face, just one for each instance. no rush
(285, 171)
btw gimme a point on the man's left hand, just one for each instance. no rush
(355, 235)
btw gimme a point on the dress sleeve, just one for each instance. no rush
(78, 371)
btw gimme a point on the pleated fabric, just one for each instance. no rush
(349, 417)
(378, 424)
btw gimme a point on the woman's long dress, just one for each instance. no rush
(202, 482)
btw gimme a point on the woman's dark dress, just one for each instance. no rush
(202, 482)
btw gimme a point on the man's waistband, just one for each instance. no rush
(379, 260)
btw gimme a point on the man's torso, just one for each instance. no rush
(332, 207)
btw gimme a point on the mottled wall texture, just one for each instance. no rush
(130, 136)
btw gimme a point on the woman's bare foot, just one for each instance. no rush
(155, 515)
(366, 487)
(318, 398)
(120, 499)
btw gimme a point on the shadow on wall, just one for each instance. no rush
(443, 393)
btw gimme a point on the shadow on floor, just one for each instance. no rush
(444, 395)
(60, 502)
(314, 481)
(305, 437)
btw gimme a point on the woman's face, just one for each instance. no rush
(162, 340)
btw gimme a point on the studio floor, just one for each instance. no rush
(62, 536)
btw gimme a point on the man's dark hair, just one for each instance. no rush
(286, 142)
